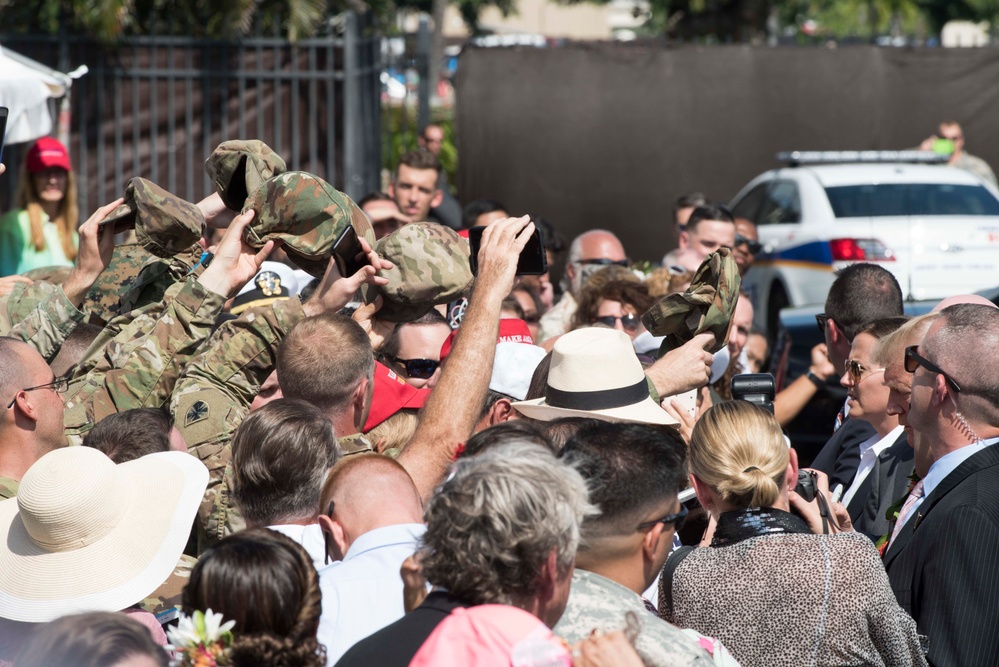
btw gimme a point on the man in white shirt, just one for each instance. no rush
(280, 456)
(373, 521)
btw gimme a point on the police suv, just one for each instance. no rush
(935, 227)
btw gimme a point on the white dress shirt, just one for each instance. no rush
(311, 539)
(944, 466)
(870, 450)
(363, 592)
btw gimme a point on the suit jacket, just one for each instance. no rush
(943, 565)
(396, 644)
(840, 456)
(889, 481)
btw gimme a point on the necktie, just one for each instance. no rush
(914, 495)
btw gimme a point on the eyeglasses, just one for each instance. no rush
(629, 322)
(913, 361)
(675, 519)
(604, 262)
(821, 320)
(754, 247)
(58, 385)
(420, 369)
(857, 370)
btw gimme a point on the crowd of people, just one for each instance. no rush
(221, 447)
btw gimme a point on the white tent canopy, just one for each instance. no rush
(25, 89)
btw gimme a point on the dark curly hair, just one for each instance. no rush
(266, 582)
(627, 292)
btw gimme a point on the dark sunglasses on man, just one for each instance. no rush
(604, 262)
(420, 369)
(914, 360)
(754, 247)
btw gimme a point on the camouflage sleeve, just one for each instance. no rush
(214, 396)
(146, 376)
(48, 324)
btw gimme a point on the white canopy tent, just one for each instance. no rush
(26, 87)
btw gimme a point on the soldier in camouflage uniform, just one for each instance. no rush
(635, 473)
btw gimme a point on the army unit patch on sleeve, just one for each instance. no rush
(197, 412)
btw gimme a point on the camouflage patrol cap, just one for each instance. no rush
(307, 214)
(431, 268)
(706, 306)
(164, 223)
(237, 168)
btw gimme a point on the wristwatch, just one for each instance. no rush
(815, 379)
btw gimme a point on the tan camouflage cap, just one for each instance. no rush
(239, 167)
(165, 224)
(706, 306)
(307, 214)
(431, 268)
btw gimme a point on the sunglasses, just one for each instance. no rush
(420, 369)
(913, 360)
(604, 262)
(675, 519)
(754, 247)
(629, 322)
(58, 385)
(857, 370)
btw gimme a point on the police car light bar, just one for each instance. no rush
(794, 158)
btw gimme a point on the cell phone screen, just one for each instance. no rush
(348, 253)
(533, 259)
(3, 129)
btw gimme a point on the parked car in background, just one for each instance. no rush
(935, 227)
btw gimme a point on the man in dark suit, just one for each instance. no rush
(944, 554)
(860, 294)
(502, 530)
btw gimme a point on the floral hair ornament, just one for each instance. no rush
(201, 640)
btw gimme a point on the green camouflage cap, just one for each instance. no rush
(706, 306)
(165, 224)
(431, 268)
(237, 168)
(307, 214)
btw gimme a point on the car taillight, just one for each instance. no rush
(860, 250)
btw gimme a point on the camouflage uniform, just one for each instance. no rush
(165, 603)
(139, 365)
(8, 488)
(706, 306)
(596, 602)
(40, 315)
(431, 268)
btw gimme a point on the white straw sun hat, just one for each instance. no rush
(84, 534)
(595, 373)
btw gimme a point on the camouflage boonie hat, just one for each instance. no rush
(706, 306)
(164, 223)
(237, 168)
(431, 268)
(307, 214)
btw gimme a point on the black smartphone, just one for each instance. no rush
(533, 260)
(3, 129)
(348, 253)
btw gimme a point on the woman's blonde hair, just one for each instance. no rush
(66, 220)
(738, 450)
(396, 431)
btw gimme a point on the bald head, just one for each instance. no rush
(963, 298)
(371, 491)
(13, 371)
(591, 251)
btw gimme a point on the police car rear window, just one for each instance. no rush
(890, 199)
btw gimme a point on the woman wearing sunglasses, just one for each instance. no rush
(618, 304)
(771, 586)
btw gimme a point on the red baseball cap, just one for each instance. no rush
(511, 330)
(392, 394)
(48, 152)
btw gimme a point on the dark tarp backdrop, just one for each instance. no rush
(607, 135)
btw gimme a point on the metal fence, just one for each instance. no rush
(156, 107)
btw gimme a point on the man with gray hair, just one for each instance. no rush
(503, 530)
(588, 253)
(944, 549)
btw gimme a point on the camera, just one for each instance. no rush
(757, 388)
(807, 486)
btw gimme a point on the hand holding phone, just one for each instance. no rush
(533, 259)
(348, 253)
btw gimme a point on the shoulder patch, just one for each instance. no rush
(197, 412)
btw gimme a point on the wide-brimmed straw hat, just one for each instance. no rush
(84, 534)
(595, 373)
